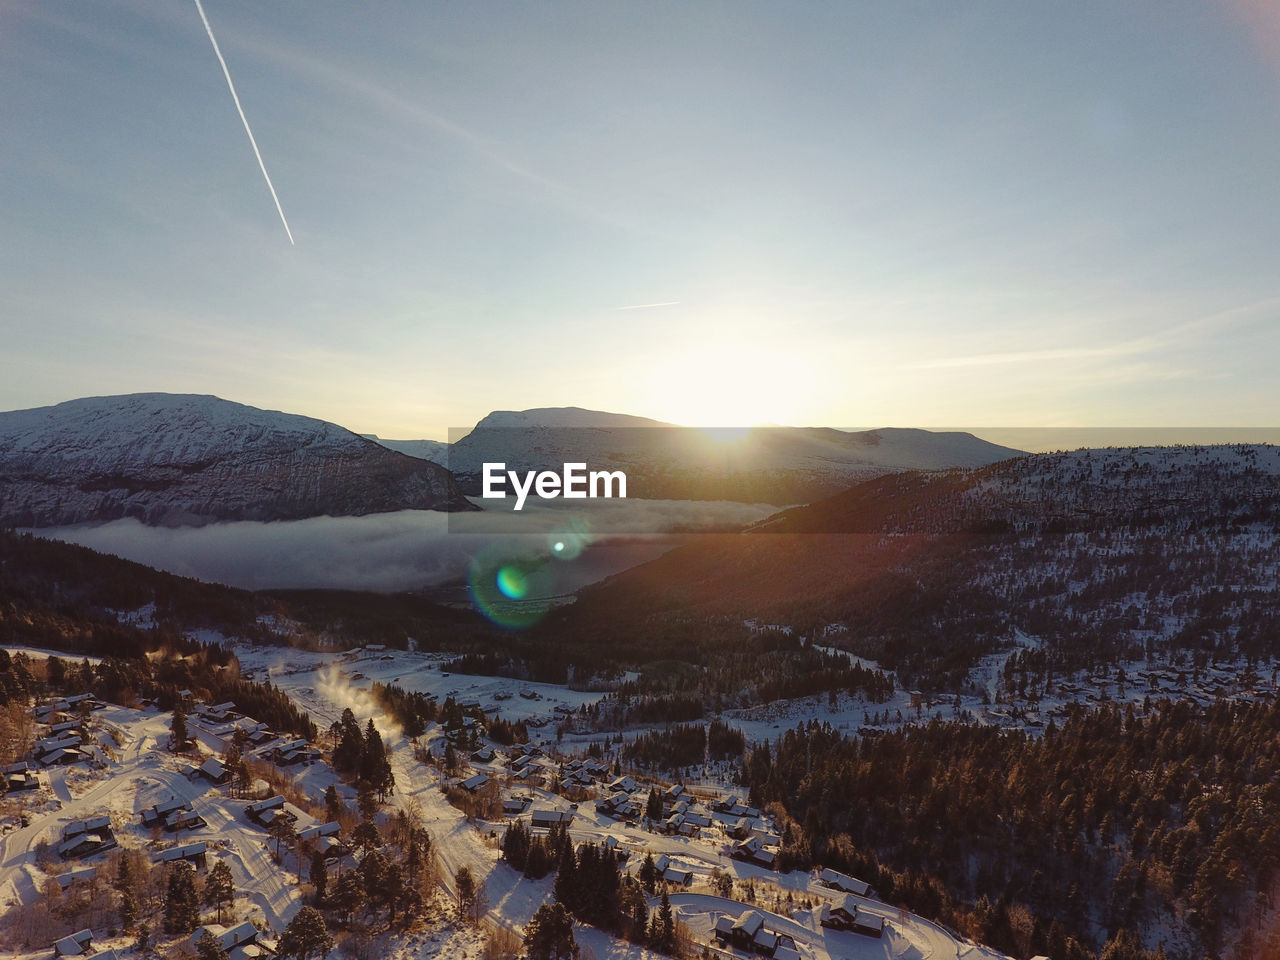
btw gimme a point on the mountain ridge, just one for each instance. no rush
(766, 464)
(191, 459)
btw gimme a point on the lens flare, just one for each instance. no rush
(512, 582)
(506, 588)
(568, 541)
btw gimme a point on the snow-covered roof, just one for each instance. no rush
(550, 817)
(261, 806)
(749, 923)
(183, 852)
(213, 767)
(842, 881)
(330, 829)
(73, 945)
(77, 827)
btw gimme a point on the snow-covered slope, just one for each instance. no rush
(437, 451)
(182, 459)
(763, 464)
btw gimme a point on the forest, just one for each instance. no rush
(1110, 826)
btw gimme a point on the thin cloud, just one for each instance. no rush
(1193, 329)
(649, 306)
(1026, 356)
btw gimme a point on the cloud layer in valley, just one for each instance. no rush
(386, 552)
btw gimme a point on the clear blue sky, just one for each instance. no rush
(870, 214)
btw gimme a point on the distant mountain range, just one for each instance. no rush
(1099, 555)
(778, 465)
(437, 451)
(188, 460)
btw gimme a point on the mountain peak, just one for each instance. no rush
(564, 417)
(190, 459)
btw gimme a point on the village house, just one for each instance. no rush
(847, 914)
(842, 881)
(546, 819)
(75, 945)
(192, 853)
(83, 838)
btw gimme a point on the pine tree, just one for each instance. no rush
(350, 896)
(219, 888)
(181, 907)
(465, 889)
(178, 729)
(350, 748)
(124, 874)
(653, 805)
(649, 874)
(549, 935)
(128, 911)
(566, 883)
(393, 890)
(367, 802)
(281, 831)
(414, 859)
(373, 874)
(305, 937)
(665, 924)
(319, 876)
(208, 948)
(366, 836)
(515, 844)
(333, 805)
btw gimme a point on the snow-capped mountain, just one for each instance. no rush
(182, 459)
(437, 451)
(763, 464)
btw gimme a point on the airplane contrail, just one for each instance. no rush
(245, 120)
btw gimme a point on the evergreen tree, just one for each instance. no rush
(374, 869)
(393, 890)
(319, 876)
(649, 874)
(128, 911)
(282, 832)
(515, 844)
(664, 923)
(124, 874)
(333, 805)
(208, 948)
(566, 883)
(178, 729)
(653, 805)
(538, 862)
(219, 887)
(350, 748)
(305, 937)
(366, 836)
(181, 906)
(549, 935)
(349, 895)
(466, 891)
(414, 859)
(367, 802)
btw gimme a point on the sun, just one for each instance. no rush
(734, 385)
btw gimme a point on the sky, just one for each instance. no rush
(851, 214)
